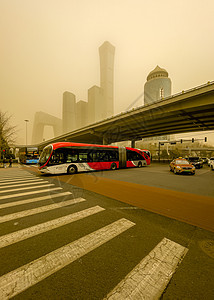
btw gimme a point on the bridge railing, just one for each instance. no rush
(171, 96)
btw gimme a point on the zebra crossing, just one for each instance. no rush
(156, 268)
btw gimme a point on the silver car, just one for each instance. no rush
(212, 164)
(209, 161)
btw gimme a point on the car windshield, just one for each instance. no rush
(181, 162)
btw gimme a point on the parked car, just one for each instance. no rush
(181, 165)
(209, 161)
(196, 161)
(212, 165)
(205, 160)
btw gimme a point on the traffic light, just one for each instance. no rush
(205, 139)
(193, 140)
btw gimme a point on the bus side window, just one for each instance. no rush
(146, 156)
(95, 156)
(113, 155)
(103, 156)
(58, 157)
(72, 157)
(132, 155)
(83, 156)
(90, 158)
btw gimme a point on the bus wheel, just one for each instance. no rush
(72, 169)
(113, 166)
(139, 164)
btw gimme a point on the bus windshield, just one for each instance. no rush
(45, 155)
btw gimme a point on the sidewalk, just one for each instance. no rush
(14, 165)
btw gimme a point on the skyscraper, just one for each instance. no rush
(107, 51)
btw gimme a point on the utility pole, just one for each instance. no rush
(26, 130)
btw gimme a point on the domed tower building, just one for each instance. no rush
(158, 86)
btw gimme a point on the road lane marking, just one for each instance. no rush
(12, 181)
(21, 235)
(203, 172)
(150, 277)
(30, 193)
(39, 210)
(32, 200)
(10, 178)
(24, 277)
(8, 173)
(27, 188)
(35, 181)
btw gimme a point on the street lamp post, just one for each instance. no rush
(26, 130)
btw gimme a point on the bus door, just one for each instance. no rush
(122, 157)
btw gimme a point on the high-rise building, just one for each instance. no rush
(69, 122)
(107, 51)
(158, 86)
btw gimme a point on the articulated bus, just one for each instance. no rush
(71, 158)
(28, 155)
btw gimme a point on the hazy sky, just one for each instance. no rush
(51, 46)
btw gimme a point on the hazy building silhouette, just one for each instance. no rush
(41, 120)
(157, 86)
(107, 52)
(68, 112)
(81, 113)
(100, 103)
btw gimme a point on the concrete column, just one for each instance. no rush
(133, 144)
(105, 140)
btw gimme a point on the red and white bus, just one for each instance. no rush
(70, 158)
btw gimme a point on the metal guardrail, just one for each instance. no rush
(157, 101)
(166, 98)
(174, 95)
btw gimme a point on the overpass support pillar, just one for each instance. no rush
(105, 140)
(133, 144)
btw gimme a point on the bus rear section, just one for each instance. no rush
(28, 155)
(73, 158)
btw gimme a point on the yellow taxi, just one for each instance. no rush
(181, 165)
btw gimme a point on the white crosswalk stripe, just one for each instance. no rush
(17, 173)
(36, 181)
(21, 235)
(24, 277)
(30, 193)
(27, 188)
(20, 181)
(33, 200)
(5, 179)
(38, 210)
(146, 281)
(150, 277)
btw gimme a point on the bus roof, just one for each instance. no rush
(70, 144)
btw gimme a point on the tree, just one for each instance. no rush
(7, 133)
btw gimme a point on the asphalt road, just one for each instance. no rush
(30, 269)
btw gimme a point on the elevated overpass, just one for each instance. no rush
(188, 111)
